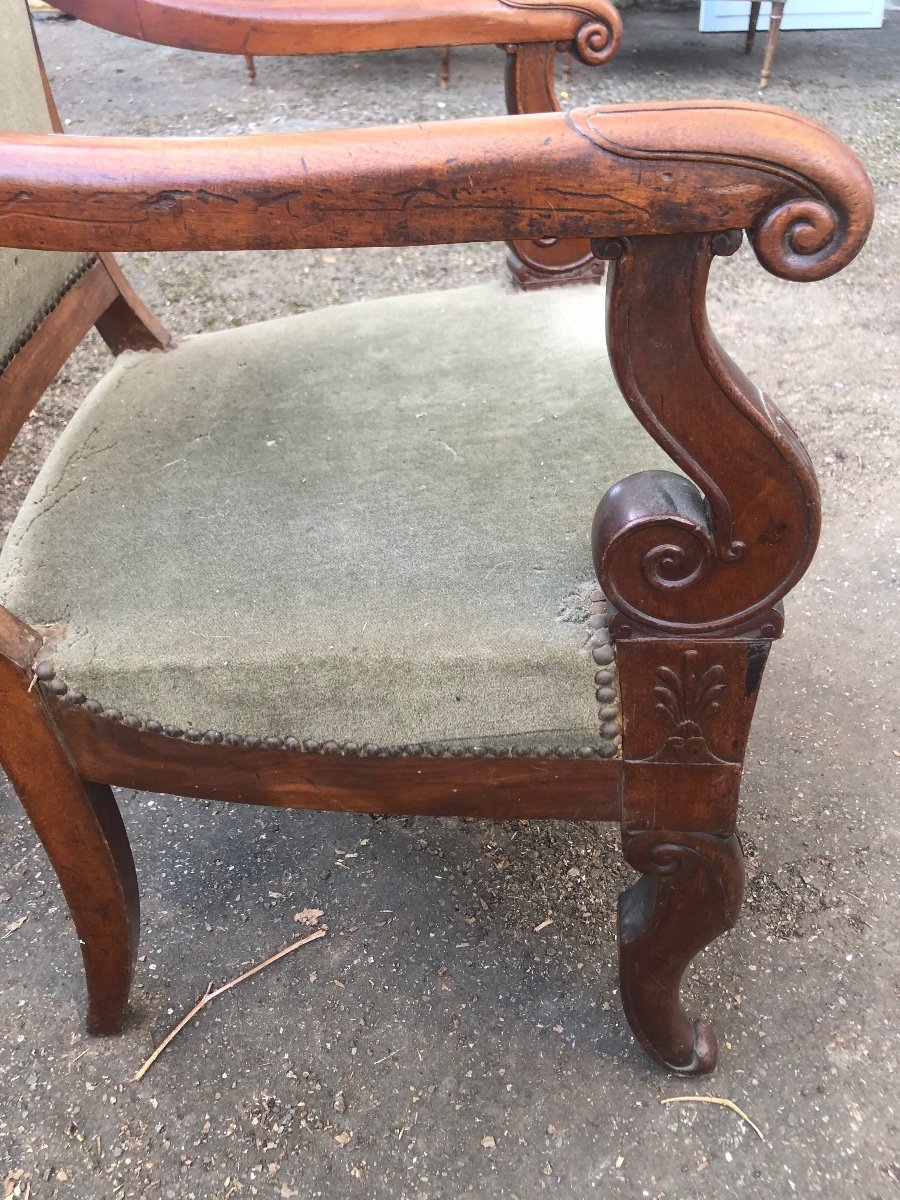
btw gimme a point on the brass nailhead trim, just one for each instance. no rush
(604, 679)
(44, 312)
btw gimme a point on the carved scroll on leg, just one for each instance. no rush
(690, 893)
(546, 262)
(712, 553)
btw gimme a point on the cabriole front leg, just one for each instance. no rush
(690, 892)
(694, 566)
(686, 711)
(550, 261)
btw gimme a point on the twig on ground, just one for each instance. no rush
(724, 1101)
(211, 993)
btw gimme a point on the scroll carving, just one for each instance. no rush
(816, 207)
(690, 893)
(612, 172)
(715, 551)
(597, 41)
(802, 240)
(598, 37)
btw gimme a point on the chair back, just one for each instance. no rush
(31, 281)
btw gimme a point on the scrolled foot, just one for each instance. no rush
(690, 893)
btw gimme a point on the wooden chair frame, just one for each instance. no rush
(694, 566)
(530, 31)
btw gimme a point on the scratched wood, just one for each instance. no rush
(600, 172)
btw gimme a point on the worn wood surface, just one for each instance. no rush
(548, 261)
(127, 323)
(290, 27)
(604, 172)
(686, 712)
(500, 788)
(721, 554)
(102, 297)
(79, 826)
(33, 368)
(532, 30)
(124, 321)
(690, 892)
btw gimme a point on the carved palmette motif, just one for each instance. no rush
(684, 698)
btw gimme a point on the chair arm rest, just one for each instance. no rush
(293, 27)
(600, 172)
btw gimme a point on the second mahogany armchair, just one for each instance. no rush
(531, 32)
(353, 559)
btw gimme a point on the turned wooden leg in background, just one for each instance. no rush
(751, 28)
(772, 41)
(80, 828)
(686, 709)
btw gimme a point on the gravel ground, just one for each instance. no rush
(433, 1044)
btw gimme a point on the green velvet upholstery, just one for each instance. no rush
(29, 279)
(368, 523)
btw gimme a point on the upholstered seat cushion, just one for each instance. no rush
(367, 524)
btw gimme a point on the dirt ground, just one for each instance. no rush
(434, 1045)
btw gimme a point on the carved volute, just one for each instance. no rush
(713, 553)
(717, 553)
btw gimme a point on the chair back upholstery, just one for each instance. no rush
(31, 281)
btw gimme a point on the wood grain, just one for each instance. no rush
(34, 367)
(548, 261)
(80, 828)
(686, 712)
(532, 30)
(496, 788)
(690, 892)
(692, 167)
(289, 27)
(721, 554)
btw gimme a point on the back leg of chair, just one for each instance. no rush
(81, 830)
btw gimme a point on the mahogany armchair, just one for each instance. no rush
(530, 31)
(344, 560)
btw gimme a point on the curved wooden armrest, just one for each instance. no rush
(531, 31)
(600, 173)
(294, 27)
